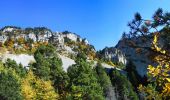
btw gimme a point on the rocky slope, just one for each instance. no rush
(67, 44)
(70, 44)
(132, 49)
(26, 59)
(138, 56)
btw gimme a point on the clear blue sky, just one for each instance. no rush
(100, 21)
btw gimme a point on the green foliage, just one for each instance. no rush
(84, 85)
(81, 56)
(59, 77)
(49, 67)
(123, 88)
(20, 70)
(10, 88)
(104, 81)
(42, 66)
(149, 92)
(40, 30)
(132, 74)
(67, 40)
(119, 65)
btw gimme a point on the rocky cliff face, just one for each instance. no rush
(133, 49)
(138, 51)
(61, 36)
(138, 56)
(114, 55)
(67, 42)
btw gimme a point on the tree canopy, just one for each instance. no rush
(84, 84)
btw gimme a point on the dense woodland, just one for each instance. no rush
(46, 80)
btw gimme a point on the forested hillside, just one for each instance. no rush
(137, 68)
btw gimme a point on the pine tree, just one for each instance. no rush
(105, 82)
(20, 70)
(124, 89)
(10, 88)
(84, 85)
(48, 66)
(132, 74)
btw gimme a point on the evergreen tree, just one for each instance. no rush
(59, 77)
(42, 67)
(105, 82)
(84, 85)
(132, 74)
(123, 88)
(20, 70)
(48, 66)
(10, 88)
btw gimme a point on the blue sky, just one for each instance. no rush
(100, 21)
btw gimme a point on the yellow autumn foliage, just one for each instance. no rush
(150, 92)
(159, 74)
(34, 88)
(166, 89)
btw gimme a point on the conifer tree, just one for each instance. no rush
(10, 87)
(105, 82)
(84, 84)
(48, 66)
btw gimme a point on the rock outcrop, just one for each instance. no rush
(133, 52)
(114, 55)
(136, 50)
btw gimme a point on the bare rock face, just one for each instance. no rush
(137, 50)
(23, 59)
(114, 55)
(62, 40)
